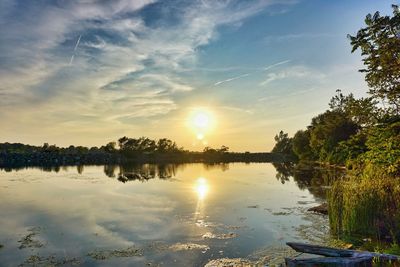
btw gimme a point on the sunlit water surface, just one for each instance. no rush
(171, 215)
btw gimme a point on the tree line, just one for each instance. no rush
(125, 149)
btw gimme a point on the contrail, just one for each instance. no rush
(77, 42)
(276, 64)
(248, 74)
(232, 79)
(71, 60)
(76, 47)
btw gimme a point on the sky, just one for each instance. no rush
(202, 73)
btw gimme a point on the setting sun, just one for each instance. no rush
(201, 121)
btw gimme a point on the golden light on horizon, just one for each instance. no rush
(200, 136)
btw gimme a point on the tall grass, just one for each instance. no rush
(366, 205)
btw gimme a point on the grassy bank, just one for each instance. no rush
(366, 207)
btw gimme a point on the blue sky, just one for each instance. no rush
(88, 72)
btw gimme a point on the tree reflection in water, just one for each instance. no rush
(222, 166)
(145, 172)
(313, 177)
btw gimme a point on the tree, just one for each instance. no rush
(122, 142)
(384, 148)
(379, 43)
(283, 144)
(209, 150)
(110, 147)
(166, 145)
(362, 111)
(301, 145)
(223, 149)
(327, 130)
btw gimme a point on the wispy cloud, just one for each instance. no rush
(126, 63)
(293, 72)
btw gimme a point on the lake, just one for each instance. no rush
(157, 215)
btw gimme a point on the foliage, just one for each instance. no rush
(363, 111)
(132, 146)
(301, 145)
(139, 150)
(110, 147)
(379, 43)
(361, 206)
(209, 150)
(327, 130)
(283, 144)
(364, 135)
(338, 134)
(384, 148)
(165, 145)
(348, 151)
(394, 249)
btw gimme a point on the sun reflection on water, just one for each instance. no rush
(201, 188)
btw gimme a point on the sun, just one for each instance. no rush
(201, 121)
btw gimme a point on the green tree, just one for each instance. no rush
(301, 145)
(283, 144)
(348, 151)
(384, 148)
(379, 43)
(327, 130)
(362, 111)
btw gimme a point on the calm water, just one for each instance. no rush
(170, 215)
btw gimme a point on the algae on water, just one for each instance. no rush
(50, 261)
(29, 241)
(117, 253)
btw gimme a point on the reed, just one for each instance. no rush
(366, 206)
